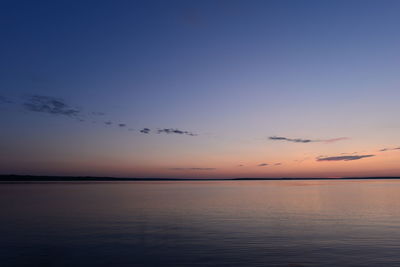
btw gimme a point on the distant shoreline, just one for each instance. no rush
(38, 178)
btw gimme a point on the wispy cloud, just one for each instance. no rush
(262, 164)
(50, 105)
(333, 140)
(389, 149)
(58, 106)
(295, 140)
(344, 158)
(167, 131)
(174, 131)
(192, 169)
(5, 100)
(278, 164)
(303, 140)
(145, 130)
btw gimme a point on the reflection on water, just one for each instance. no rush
(221, 223)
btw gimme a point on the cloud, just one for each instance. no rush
(192, 169)
(302, 140)
(175, 131)
(295, 140)
(333, 140)
(50, 105)
(262, 164)
(5, 100)
(344, 158)
(57, 106)
(278, 164)
(389, 149)
(145, 130)
(167, 131)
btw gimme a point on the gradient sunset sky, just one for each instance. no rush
(200, 89)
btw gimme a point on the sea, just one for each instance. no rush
(201, 223)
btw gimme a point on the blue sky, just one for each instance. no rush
(233, 73)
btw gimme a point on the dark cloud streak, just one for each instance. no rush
(175, 131)
(389, 149)
(344, 158)
(145, 130)
(50, 105)
(295, 140)
(302, 140)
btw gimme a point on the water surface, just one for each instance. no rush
(209, 223)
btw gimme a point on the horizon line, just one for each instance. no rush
(55, 178)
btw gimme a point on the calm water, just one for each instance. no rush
(238, 223)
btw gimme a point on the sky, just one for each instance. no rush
(200, 89)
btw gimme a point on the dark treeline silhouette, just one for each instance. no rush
(34, 178)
